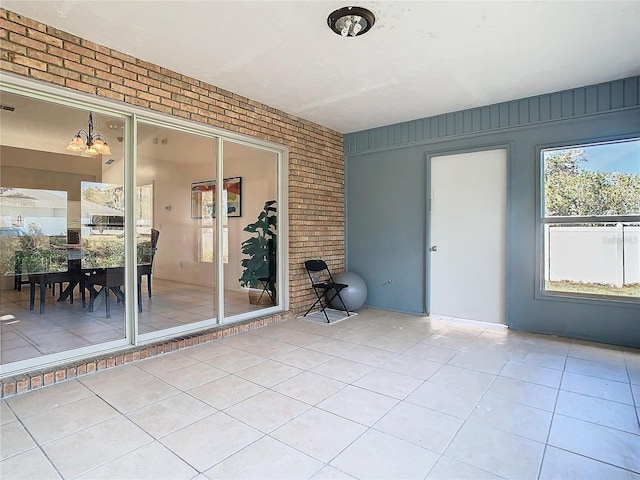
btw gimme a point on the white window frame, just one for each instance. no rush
(546, 221)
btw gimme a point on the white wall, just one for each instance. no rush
(48, 171)
(177, 254)
(178, 246)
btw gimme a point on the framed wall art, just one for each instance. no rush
(233, 186)
(203, 198)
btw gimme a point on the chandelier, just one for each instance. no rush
(88, 142)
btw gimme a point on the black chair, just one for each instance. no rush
(18, 279)
(146, 268)
(44, 271)
(74, 265)
(323, 286)
(101, 281)
(269, 283)
(73, 277)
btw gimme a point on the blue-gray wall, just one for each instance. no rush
(386, 192)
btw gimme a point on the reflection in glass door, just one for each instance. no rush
(250, 231)
(175, 176)
(62, 224)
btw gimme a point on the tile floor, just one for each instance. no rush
(64, 326)
(380, 395)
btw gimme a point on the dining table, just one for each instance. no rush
(99, 282)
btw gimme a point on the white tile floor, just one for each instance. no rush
(380, 395)
(63, 326)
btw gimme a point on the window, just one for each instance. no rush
(591, 220)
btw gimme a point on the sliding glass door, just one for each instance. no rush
(62, 230)
(120, 227)
(250, 229)
(175, 173)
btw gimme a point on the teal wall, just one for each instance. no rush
(386, 196)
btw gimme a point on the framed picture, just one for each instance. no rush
(233, 187)
(203, 198)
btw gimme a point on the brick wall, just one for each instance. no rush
(316, 159)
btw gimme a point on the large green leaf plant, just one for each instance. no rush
(261, 249)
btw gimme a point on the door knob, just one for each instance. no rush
(434, 248)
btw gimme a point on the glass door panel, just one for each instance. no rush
(175, 176)
(250, 229)
(50, 198)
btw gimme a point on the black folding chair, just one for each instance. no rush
(323, 286)
(269, 283)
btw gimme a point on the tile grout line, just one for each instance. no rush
(553, 414)
(636, 406)
(375, 368)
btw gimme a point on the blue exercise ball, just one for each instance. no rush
(354, 295)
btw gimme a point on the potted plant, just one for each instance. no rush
(260, 266)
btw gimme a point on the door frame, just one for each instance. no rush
(509, 234)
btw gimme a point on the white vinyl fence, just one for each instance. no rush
(606, 255)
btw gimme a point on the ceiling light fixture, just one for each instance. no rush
(351, 21)
(114, 125)
(96, 144)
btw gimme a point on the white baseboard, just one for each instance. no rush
(466, 321)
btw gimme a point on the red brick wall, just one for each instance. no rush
(316, 159)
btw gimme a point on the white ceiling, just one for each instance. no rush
(421, 58)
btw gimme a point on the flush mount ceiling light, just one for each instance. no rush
(351, 21)
(90, 143)
(114, 125)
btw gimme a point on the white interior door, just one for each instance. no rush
(468, 236)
